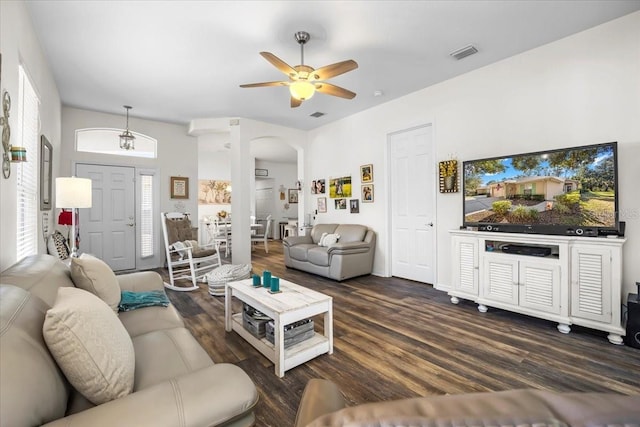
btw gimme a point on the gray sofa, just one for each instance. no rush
(351, 256)
(175, 383)
(322, 405)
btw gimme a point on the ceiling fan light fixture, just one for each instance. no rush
(127, 140)
(302, 90)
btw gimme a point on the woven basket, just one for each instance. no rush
(218, 277)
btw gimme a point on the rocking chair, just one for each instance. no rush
(185, 258)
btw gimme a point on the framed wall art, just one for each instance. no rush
(341, 203)
(448, 173)
(322, 204)
(179, 187)
(214, 192)
(293, 195)
(46, 160)
(367, 193)
(366, 173)
(354, 205)
(340, 187)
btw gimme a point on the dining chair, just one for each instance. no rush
(223, 236)
(264, 237)
(291, 229)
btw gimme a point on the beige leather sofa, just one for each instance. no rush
(322, 405)
(351, 256)
(175, 384)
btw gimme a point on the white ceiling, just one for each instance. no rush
(175, 61)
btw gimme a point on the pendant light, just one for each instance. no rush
(127, 140)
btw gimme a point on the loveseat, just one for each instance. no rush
(175, 382)
(322, 405)
(348, 254)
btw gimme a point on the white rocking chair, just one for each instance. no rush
(185, 258)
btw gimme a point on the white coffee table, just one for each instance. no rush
(292, 304)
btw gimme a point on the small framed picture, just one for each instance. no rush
(293, 195)
(319, 186)
(322, 204)
(367, 193)
(354, 205)
(366, 173)
(341, 203)
(179, 187)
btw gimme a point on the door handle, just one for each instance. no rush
(430, 224)
(132, 224)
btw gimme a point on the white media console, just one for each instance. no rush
(578, 283)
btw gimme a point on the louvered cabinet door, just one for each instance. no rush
(591, 283)
(540, 286)
(465, 265)
(500, 279)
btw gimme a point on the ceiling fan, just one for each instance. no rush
(304, 80)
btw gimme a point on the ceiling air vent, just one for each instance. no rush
(317, 114)
(464, 52)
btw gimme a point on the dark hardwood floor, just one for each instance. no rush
(395, 338)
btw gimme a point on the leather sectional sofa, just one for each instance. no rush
(175, 382)
(322, 405)
(352, 255)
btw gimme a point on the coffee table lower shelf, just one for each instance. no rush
(295, 355)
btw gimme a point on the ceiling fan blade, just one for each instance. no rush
(329, 89)
(279, 64)
(326, 72)
(264, 84)
(295, 102)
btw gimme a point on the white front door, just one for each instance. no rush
(107, 230)
(413, 209)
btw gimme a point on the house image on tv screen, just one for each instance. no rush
(575, 186)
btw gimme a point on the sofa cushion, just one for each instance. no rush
(299, 252)
(138, 322)
(40, 274)
(33, 391)
(90, 345)
(318, 256)
(94, 275)
(163, 355)
(351, 232)
(57, 245)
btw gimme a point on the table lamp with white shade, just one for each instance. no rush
(73, 193)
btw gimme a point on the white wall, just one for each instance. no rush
(19, 45)
(580, 90)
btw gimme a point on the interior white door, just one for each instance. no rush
(412, 188)
(264, 202)
(107, 230)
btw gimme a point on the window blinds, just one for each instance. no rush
(146, 216)
(27, 176)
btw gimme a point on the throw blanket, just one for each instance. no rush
(181, 247)
(132, 300)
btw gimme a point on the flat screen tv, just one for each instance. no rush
(569, 191)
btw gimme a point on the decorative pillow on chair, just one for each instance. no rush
(57, 245)
(321, 241)
(330, 239)
(94, 275)
(90, 345)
